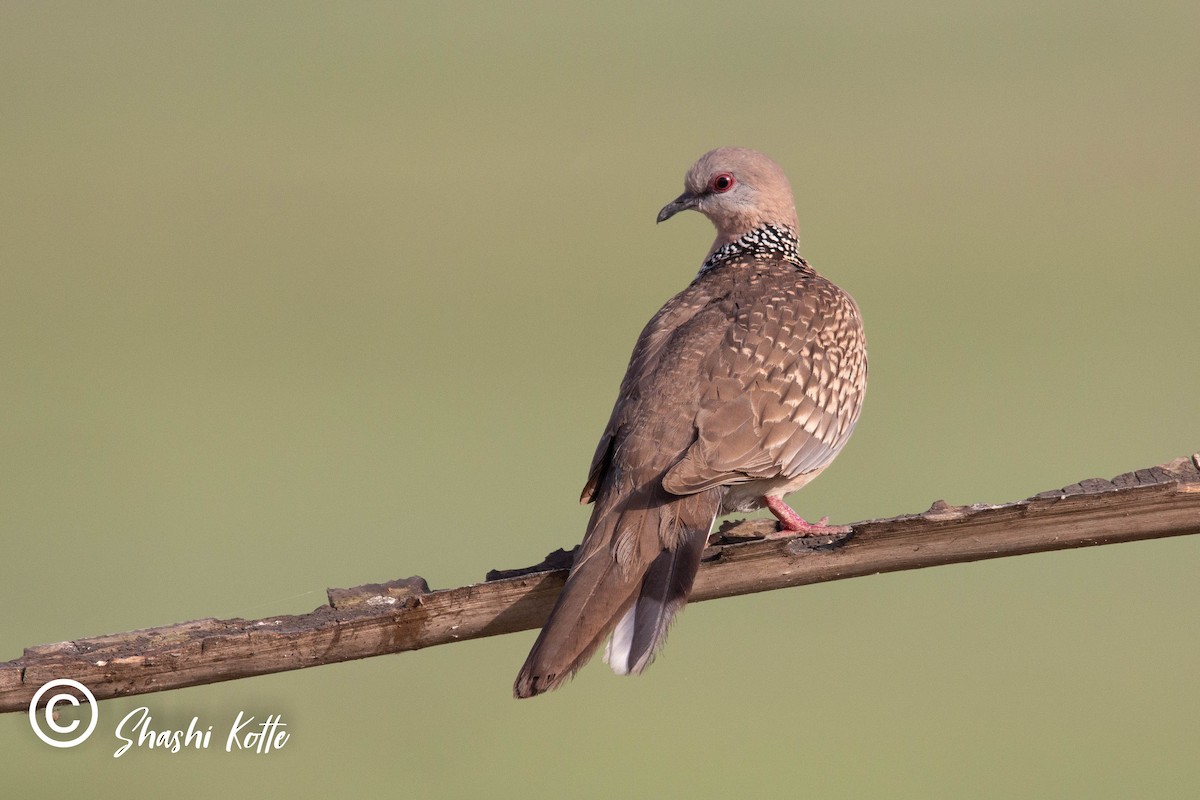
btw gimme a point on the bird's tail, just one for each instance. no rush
(636, 568)
(642, 629)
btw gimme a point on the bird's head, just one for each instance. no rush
(739, 190)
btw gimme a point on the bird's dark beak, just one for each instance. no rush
(681, 203)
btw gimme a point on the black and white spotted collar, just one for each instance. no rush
(769, 241)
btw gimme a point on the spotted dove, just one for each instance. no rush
(741, 389)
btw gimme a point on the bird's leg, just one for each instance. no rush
(792, 523)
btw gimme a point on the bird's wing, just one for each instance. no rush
(783, 389)
(669, 329)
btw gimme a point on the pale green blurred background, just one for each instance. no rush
(308, 295)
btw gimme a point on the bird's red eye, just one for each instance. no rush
(721, 182)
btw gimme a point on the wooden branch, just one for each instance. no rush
(405, 615)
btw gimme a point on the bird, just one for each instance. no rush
(741, 389)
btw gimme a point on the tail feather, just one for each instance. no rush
(598, 591)
(665, 591)
(637, 563)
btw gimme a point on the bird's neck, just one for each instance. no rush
(765, 241)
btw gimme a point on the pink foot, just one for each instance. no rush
(791, 523)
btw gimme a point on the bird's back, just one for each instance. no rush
(756, 371)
